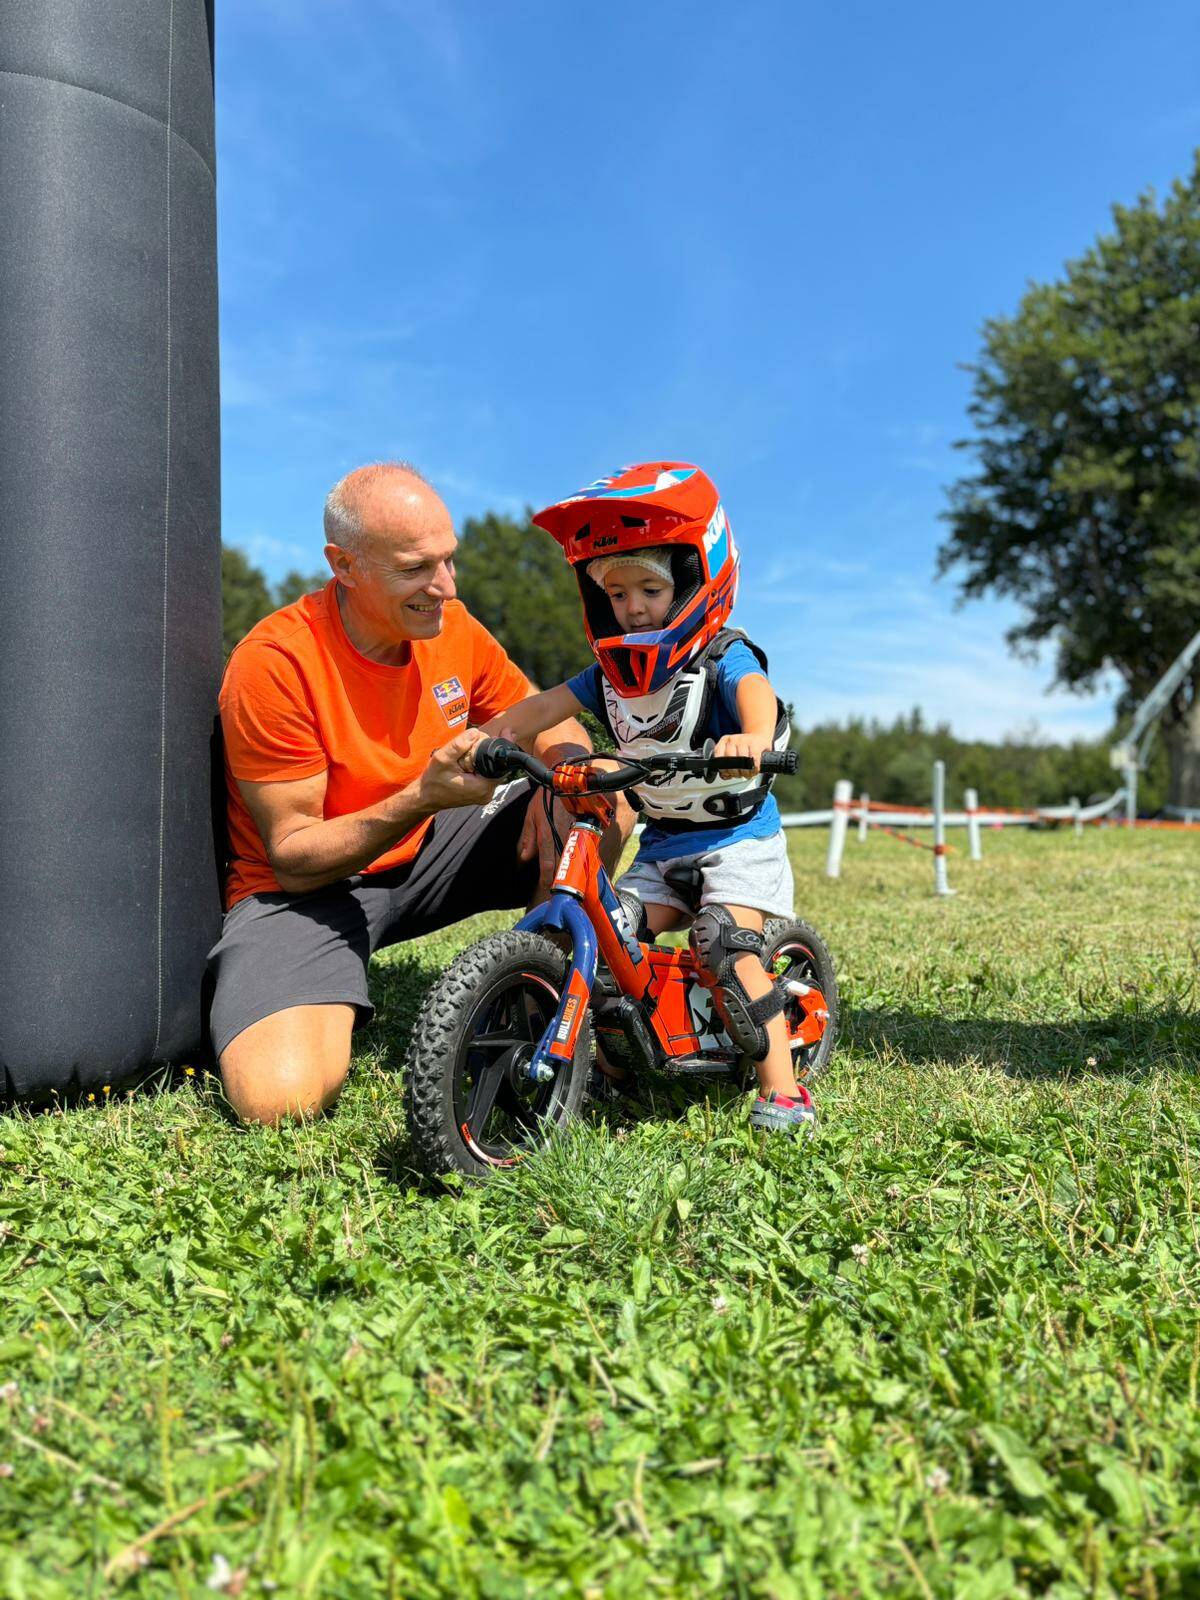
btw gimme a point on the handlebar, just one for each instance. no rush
(498, 758)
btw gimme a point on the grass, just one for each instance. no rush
(950, 1349)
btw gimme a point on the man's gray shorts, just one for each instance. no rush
(281, 950)
(751, 872)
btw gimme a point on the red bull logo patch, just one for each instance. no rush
(452, 699)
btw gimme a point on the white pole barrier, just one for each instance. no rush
(864, 802)
(1075, 810)
(971, 799)
(940, 886)
(1131, 777)
(842, 790)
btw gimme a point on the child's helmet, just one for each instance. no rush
(657, 503)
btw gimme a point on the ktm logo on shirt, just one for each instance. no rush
(452, 698)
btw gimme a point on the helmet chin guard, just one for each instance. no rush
(664, 503)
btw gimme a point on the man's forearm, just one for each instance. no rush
(565, 739)
(319, 853)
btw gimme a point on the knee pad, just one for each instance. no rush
(717, 942)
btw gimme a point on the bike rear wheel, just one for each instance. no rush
(793, 949)
(471, 1105)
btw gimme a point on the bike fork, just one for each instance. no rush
(562, 912)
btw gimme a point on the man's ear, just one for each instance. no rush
(341, 564)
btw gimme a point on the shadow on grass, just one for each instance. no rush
(398, 987)
(1127, 1044)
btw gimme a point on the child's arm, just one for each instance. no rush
(529, 718)
(757, 709)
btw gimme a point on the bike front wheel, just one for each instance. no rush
(470, 1103)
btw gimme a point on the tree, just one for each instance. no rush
(245, 597)
(295, 585)
(1086, 505)
(514, 579)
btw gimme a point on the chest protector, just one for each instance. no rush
(675, 720)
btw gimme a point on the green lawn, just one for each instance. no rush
(952, 1347)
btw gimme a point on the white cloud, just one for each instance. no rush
(274, 555)
(475, 495)
(849, 646)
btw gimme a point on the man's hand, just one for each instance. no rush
(537, 842)
(740, 744)
(449, 780)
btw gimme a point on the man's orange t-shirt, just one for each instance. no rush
(299, 699)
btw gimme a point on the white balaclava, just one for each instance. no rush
(656, 559)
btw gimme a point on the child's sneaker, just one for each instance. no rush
(781, 1113)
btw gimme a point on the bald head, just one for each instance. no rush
(377, 505)
(391, 548)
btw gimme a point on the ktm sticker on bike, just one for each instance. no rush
(452, 698)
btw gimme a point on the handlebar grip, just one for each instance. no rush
(496, 758)
(785, 761)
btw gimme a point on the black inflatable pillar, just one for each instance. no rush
(110, 649)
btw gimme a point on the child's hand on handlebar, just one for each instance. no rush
(743, 745)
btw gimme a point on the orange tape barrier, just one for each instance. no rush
(907, 838)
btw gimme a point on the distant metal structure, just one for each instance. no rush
(1130, 756)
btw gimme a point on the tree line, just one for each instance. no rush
(512, 577)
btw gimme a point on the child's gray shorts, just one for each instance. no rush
(750, 872)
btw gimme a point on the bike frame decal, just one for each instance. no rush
(570, 1017)
(564, 913)
(573, 867)
(672, 977)
(615, 912)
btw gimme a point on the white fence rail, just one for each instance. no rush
(900, 818)
(973, 817)
(845, 810)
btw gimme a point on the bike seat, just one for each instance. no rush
(687, 880)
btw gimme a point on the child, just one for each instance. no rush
(657, 570)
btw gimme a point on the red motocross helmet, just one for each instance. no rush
(666, 503)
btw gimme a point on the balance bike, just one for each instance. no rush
(502, 1051)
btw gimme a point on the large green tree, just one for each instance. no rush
(246, 596)
(513, 578)
(1085, 507)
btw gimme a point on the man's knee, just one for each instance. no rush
(290, 1064)
(617, 834)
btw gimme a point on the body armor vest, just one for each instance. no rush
(674, 718)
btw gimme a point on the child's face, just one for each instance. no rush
(640, 599)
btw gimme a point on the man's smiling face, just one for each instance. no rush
(399, 573)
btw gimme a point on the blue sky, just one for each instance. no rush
(520, 243)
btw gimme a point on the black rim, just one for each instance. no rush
(497, 1108)
(793, 959)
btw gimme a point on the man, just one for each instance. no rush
(354, 821)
